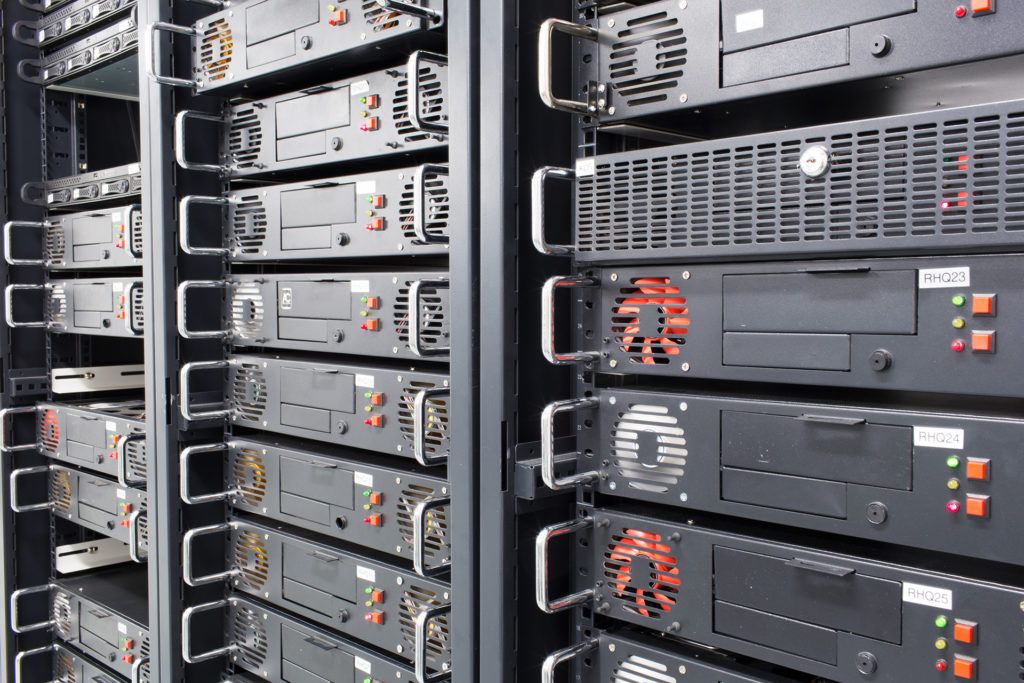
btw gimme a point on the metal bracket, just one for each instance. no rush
(97, 378)
(133, 538)
(420, 649)
(186, 556)
(9, 243)
(186, 634)
(179, 142)
(22, 656)
(9, 305)
(185, 384)
(149, 49)
(419, 427)
(183, 310)
(544, 601)
(419, 536)
(122, 459)
(15, 602)
(547, 321)
(547, 673)
(15, 476)
(184, 241)
(415, 344)
(184, 468)
(419, 203)
(545, 64)
(547, 445)
(538, 212)
(5, 425)
(28, 383)
(413, 69)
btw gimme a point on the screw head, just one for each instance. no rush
(611, 23)
(306, 42)
(815, 161)
(611, 647)
(613, 363)
(614, 277)
(686, 367)
(683, 98)
(686, 275)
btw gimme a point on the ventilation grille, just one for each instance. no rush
(143, 529)
(248, 225)
(436, 542)
(135, 450)
(650, 321)
(637, 669)
(642, 573)
(57, 306)
(145, 672)
(56, 247)
(245, 137)
(60, 491)
(216, 46)
(252, 559)
(249, 636)
(647, 59)
(958, 178)
(248, 392)
(138, 312)
(136, 230)
(432, 313)
(380, 19)
(249, 473)
(64, 667)
(649, 448)
(437, 204)
(433, 106)
(61, 613)
(49, 432)
(436, 428)
(247, 312)
(414, 601)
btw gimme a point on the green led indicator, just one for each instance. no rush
(366, 494)
(367, 394)
(959, 300)
(362, 100)
(952, 462)
(941, 621)
(362, 299)
(367, 680)
(368, 590)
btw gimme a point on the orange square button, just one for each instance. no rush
(964, 667)
(965, 632)
(977, 506)
(983, 6)
(983, 305)
(979, 469)
(983, 342)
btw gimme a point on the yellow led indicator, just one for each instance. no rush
(959, 323)
(953, 484)
(940, 644)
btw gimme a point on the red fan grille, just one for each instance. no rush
(650, 321)
(643, 572)
(49, 431)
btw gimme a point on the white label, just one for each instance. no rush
(366, 187)
(364, 381)
(121, 494)
(111, 426)
(118, 286)
(366, 574)
(360, 87)
(586, 168)
(750, 21)
(937, 278)
(287, 298)
(927, 596)
(363, 665)
(361, 286)
(122, 628)
(939, 437)
(363, 479)
(115, 218)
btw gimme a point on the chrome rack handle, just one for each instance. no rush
(419, 204)
(547, 445)
(545, 63)
(540, 178)
(547, 321)
(419, 427)
(16, 32)
(413, 75)
(34, 193)
(544, 600)
(184, 466)
(15, 476)
(183, 310)
(419, 536)
(184, 240)
(179, 141)
(9, 227)
(186, 556)
(15, 601)
(420, 650)
(150, 49)
(425, 13)
(553, 660)
(415, 343)
(9, 305)
(122, 459)
(133, 538)
(137, 669)
(23, 74)
(19, 676)
(4, 426)
(185, 388)
(186, 634)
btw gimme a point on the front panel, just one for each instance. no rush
(665, 56)
(108, 238)
(71, 666)
(108, 185)
(260, 38)
(105, 615)
(90, 63)
(943, 324)
(825, 614)
(935, 180)
(374, 602)
(349, 405)
(100, 505)
(89, 436)
(107, 307)
(944, 482)
(277, 647)
(339, 497)
(359, 118)
(69, 20)
(366, 313)
(372, 214)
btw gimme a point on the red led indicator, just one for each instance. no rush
(953, 506)
(960, 13)
(941, 665)
(958, 345)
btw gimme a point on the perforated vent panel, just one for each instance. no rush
(649, 448)
(249, 474)
(436, 428)
(958, 179)
(432, 313)
(137, 467)
(436, 542)
(56, 247)
(64, 668)
(637, 669)
(647, 58)
(216, 47)
(136, 230)
(433, 103)
(247, 312)
(248, 392)
(60, 491)
(245, 137)
(49, 431)
(252, 559)
(437, 204)
(249, 635)
(642, 572)
(248, 225)
(57, 306)
(138, 312)
(380, 19)
(60, 612)
(414, 600)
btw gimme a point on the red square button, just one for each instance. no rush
(979, 469)
(983, 6)
(983, 305)
(965, 632)
(983, 342)
(964, 667)
(977, 506)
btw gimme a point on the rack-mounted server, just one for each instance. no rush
(68, 665)
(67, 21)
(111, 184)
(108, 307)
(105, 238)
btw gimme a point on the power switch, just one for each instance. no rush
(983, 305)
(978, 506)
(375, 617)
(979, 7)
(964, 667)
(377, 596)
(979, 469)
(983, 342)
(965, 632)
(375, 498)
